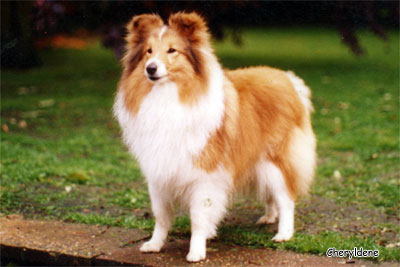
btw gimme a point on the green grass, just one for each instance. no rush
(67, 162)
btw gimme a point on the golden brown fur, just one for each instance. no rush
(268, 110)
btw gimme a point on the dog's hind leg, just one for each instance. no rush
(271, 212)
(276, 184)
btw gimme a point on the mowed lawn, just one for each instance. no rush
(62, 156)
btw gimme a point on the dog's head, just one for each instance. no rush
(170, 51)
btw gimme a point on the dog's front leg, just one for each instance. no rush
(207, 208)
(163, 211)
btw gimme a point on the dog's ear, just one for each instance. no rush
(140, 26)
(190, 25)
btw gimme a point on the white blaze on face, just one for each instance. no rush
(161, 69)
(162, 31)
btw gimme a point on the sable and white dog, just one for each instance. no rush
(201, 133)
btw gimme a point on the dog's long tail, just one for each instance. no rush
(302, 89)
(302, 156)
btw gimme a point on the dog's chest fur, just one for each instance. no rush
(165, 135)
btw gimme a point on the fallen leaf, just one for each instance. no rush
(23, 90)
(46, 103)
(374, 156)
(30, 114)
(326, 79)
(337, 120)
(78, 177)
(4, 127)
(387, 96)
(22, 124)
(344, 105)
(392, 245)
(337, 175)
(324, 111)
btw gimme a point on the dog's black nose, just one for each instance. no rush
(151, 68)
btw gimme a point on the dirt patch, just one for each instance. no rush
(318, 214)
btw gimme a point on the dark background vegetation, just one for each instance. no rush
(24, 22)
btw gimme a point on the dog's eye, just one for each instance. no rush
(171, 50)
(149, 51)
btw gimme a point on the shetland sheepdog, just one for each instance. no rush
(201, 133)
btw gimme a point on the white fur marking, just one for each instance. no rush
(209, 198)
(163, 211)
(162, 31)
(275, 181)
(302, 89)
(302, 157)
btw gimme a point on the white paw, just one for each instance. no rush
(195, 256)
(151, 246)
(279, 237)
(267, 219)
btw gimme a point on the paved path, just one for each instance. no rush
(60, 243)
